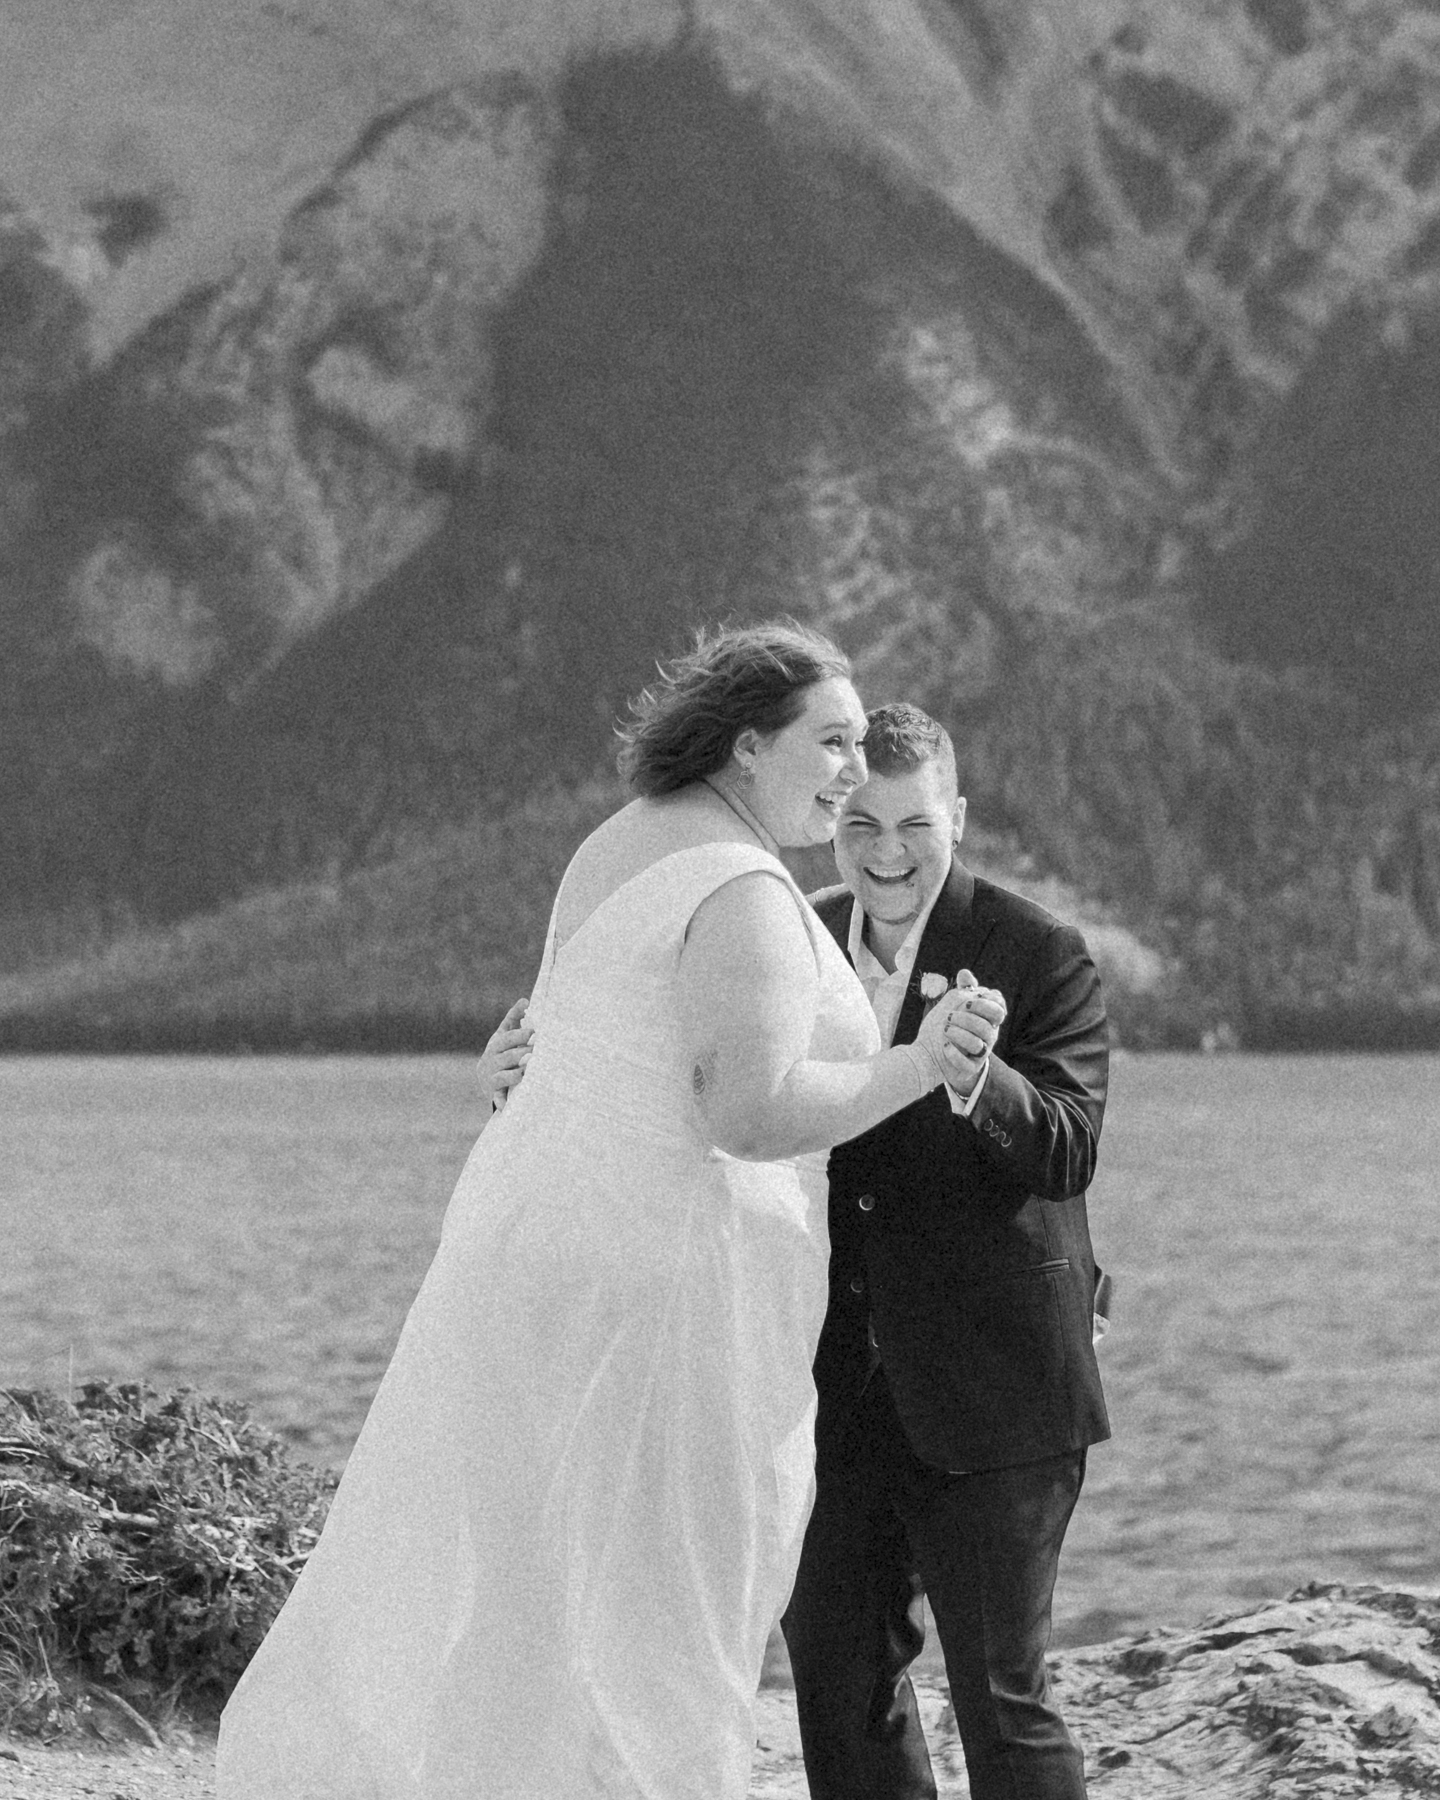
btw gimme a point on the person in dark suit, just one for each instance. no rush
(957, 1380)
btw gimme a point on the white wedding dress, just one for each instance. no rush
(575, 1508)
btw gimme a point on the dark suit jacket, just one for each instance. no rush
(960, 1249)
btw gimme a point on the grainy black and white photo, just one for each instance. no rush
(720, 899)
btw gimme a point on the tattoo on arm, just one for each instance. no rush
(702, 1076)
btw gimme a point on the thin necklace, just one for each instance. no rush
(744, 814)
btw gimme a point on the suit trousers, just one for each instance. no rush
(886, 1531)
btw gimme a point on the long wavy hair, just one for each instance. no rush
(752, 677)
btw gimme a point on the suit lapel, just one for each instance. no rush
(833, 905)
(953, 938)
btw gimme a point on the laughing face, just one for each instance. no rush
(895, 842)
(804, 773)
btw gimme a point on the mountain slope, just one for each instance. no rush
(382, 389)
(423, 951)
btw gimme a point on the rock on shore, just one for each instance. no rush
(1329, 1694)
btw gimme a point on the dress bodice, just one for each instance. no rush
(605, 1013)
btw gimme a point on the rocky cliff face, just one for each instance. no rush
(382, 388)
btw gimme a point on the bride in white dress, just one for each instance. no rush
(574, 1511)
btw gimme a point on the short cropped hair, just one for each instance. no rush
(751, 677)
(899, 738)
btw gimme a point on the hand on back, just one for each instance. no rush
(502, 1062)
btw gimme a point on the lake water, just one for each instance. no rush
(257, 1227)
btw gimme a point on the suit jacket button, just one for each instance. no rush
(867, 1203)
(857, 1286)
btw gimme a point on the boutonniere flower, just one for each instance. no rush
(935, 986)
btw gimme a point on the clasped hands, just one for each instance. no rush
(958, 1033)
(960, 1030)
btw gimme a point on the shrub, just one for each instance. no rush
(147, 1540)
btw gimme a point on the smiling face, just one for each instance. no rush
(804, 772)
(895, 842)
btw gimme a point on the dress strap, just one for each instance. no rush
(690, 875)
(753, 860)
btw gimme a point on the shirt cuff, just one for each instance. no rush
(962, 1105)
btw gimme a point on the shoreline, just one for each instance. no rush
(1331, 1692)
(401, 1036)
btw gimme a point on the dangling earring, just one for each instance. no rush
(747, 774)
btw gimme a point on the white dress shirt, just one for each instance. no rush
(885, 989)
